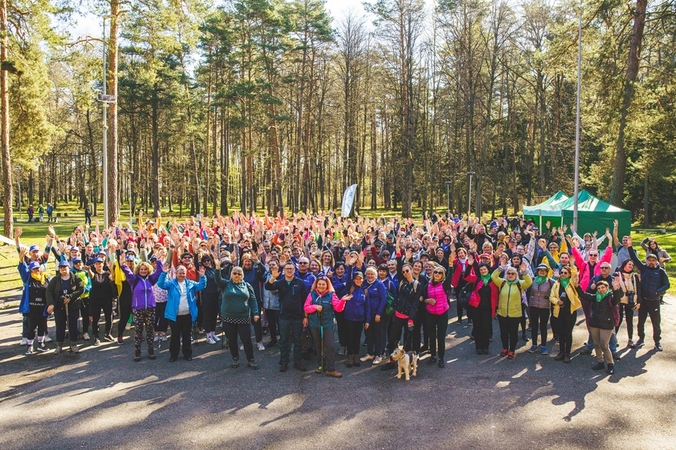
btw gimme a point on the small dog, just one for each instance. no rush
(406, 362)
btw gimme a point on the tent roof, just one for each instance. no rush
(548, 206)
(588, 202)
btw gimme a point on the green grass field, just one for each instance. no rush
(34, 233)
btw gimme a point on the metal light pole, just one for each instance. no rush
(577, 120)
(448, 194)
(105, 131)
(131, 193)
(18, 183)
(469, 195)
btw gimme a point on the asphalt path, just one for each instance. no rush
(101, 398)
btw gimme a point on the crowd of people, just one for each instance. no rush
(391, 282)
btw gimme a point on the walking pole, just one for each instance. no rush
(321, 342)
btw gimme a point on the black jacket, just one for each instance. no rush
(291, 297)
(55, 294)
(408, 297)
(602, 315)
(654, 281)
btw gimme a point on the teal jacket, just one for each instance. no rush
(238, 300)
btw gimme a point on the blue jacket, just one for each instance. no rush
(174, 296)
(308, 278)
(24, 305)
(340, 285)
(357, 309)
(376, 297)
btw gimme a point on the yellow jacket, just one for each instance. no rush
(570, 292)
(509, 298)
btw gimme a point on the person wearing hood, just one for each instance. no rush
(63, 300)
(238, 306)
(601, 321)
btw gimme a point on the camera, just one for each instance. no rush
(630, 296)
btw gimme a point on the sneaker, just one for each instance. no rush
(533, 349)
(86, 337)
(334, 374)
(631, 344)
(658, 347)
(42, 347)
(74, 348)
(342, 351)
(639, 343)
(241, 347)
(544, 350)
(58, 349)
(252, 365)
(441, 364)
(215, 337)
(366, 357)
(156, 338)
(510, 355)
(127, 327)
(47, 338)
(319, 369)
(97, 342)
(29, 350)
(24, 341)
(210, 341)
(120, 340)
(504, 352)
(164, 338)
(598, 366)
(377, 360)
(261, 347)
(617, 356)
(108, 337)
(611, 369)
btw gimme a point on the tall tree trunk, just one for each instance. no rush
(4, 125)
(111, 78)
(617, 188)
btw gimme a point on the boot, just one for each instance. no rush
(137, 355)
(349, 360)
(59, 348)
(559, 357)
(151, 352)
(566, 357)
(355, 361)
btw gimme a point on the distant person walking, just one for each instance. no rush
(50, 212)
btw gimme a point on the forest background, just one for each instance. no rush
(272, 105)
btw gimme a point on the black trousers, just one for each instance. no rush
(566, 324)
(96, 305)
(509, 332)
(273, 323)
(209, 311)
(340, 324)
(125, 314)
(161, 322)
(538, 322)
(36, 320)
(627, 311)
(84, 312)
(232, 331)
(395, 334)
(353, 332)
(180, 328)
(652, 309)
(71, 320)
(483, 327)
(437, 324)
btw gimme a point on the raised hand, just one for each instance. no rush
(202, 271)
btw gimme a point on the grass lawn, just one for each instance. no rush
(34, 233)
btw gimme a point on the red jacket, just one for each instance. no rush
(474, 299)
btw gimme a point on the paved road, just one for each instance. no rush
(102, 399)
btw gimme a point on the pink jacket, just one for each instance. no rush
(583, 266)
(438, 293)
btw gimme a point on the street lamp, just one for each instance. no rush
(131, 193)
(577, 120)
(469, 195)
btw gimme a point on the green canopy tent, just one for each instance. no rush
(593, 214)
(546, 211)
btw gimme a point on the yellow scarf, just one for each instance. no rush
(39, 276)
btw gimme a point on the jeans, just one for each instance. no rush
(329, 360)
(538, 319)
(652, 309)
(509, 332)
(180, 328)
(61, 322)
(232, 331)
(437, 324)
(289, 331)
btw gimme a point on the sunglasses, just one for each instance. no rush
(405, 271)
(303, 263)
(438, 273)
(593, 254)
(237, 274)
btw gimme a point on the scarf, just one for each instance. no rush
(40, 276)
(564, 282)
(486, 278)
(600, 297)
(539, 280)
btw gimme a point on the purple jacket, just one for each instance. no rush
(142, 296)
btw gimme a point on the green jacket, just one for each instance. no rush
(238, 300)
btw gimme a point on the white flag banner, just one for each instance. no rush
(348, 200)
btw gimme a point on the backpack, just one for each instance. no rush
(465, 293)
(389, 306)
